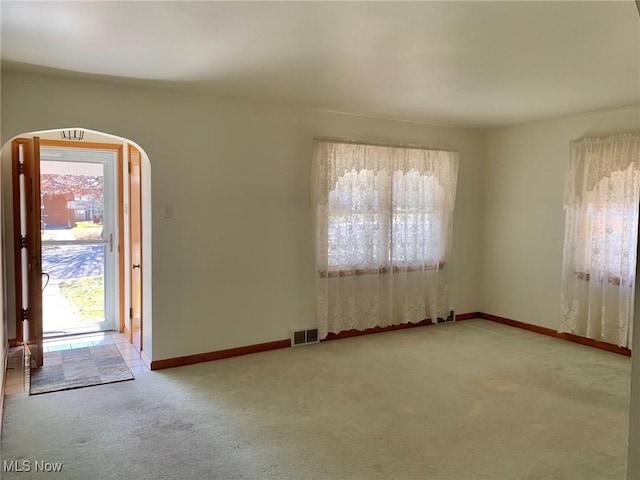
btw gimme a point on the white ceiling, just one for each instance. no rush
(457, 63)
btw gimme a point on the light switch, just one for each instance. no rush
(167, 210)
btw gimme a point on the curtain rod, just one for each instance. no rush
(379, 144)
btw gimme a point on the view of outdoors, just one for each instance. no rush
(73, 248)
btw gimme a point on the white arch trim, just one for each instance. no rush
(7, 208)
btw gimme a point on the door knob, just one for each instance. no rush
(136, 266)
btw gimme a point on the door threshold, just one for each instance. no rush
(59, 335)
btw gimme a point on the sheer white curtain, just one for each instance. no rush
(384, 217)
(601, 234)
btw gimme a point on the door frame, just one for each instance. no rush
(136, 289)
(107, 158)
(118, 149)
(100, 138)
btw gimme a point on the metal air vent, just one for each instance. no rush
(304, 337)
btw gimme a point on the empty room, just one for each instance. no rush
(320, 240)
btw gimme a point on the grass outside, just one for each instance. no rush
(86, 296)
(87, 230)
(82, 231)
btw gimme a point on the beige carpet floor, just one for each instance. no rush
(469, 400)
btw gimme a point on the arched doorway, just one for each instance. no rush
(96, 201)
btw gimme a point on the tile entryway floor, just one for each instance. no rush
(17, 376)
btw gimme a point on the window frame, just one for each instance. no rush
(389, 264)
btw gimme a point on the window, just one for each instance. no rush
(356, 222)
(384, 217)
(601, 236)
(417, 235)
(609, 218)
(404, 231)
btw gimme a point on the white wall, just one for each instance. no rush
(522, 230)
(235, 264)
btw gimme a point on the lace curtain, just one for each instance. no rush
(601, 234)
(384, 217)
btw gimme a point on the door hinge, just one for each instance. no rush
(23, 241)
(130, 312)
(20, 168)
(25, 313)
